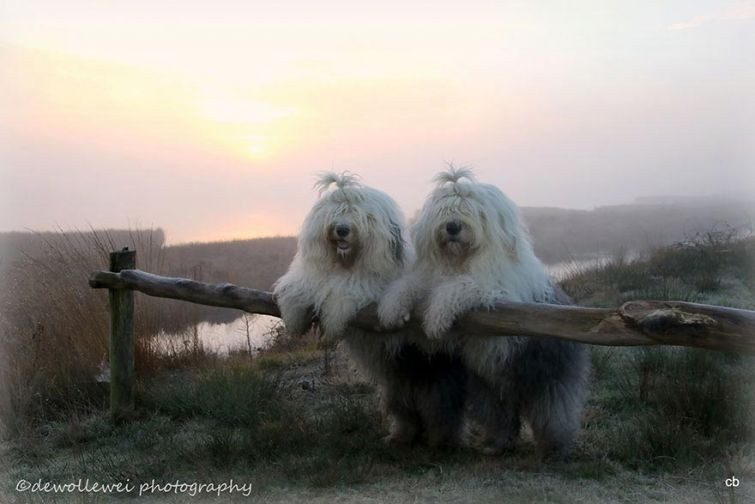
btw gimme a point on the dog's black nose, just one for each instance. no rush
(342, 230)
(453, 228)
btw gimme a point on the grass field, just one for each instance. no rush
(661, 425)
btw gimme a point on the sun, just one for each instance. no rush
(256, 146)
(251, 129)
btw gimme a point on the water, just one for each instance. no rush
(562, 270)
(221, 338)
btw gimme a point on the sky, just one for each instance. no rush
(211, 119)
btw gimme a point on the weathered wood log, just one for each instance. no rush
(635, 323)
(223, 295)
(121, 340)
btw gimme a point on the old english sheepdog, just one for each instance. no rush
(350, 248)
(472, 252)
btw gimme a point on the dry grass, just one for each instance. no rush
(53, 327)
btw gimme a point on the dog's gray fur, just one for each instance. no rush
(472, 252)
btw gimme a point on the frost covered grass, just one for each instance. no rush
(668, 438)
(664, 424)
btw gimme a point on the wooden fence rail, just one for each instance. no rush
(635, 323)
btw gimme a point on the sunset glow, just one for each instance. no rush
(206, 115)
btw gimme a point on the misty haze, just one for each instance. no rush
(614, 364)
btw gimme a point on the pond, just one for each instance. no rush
(242, 334)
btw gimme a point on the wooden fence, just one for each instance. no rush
(635, 323)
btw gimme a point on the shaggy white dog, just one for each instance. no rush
(472, 252)
(350, 249)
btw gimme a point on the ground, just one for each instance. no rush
(297, 435)
(661, 424)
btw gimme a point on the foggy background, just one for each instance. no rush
(210, 121)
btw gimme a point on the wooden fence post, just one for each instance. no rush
(122, 340)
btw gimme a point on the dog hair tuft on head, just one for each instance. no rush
(340, 180)
(454, 175)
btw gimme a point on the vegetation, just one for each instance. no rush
(661, 423)
(712, 267)
(47, 304)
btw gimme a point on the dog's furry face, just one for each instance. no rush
(462, 219)
(458, 227)
(353, 225)
(343, 237)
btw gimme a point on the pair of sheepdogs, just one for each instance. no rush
(469, 250)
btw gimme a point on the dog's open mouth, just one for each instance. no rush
(343, 246)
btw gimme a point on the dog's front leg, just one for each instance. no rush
(396, 305)
(448, 301)
(335, 316)
(295, 302)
